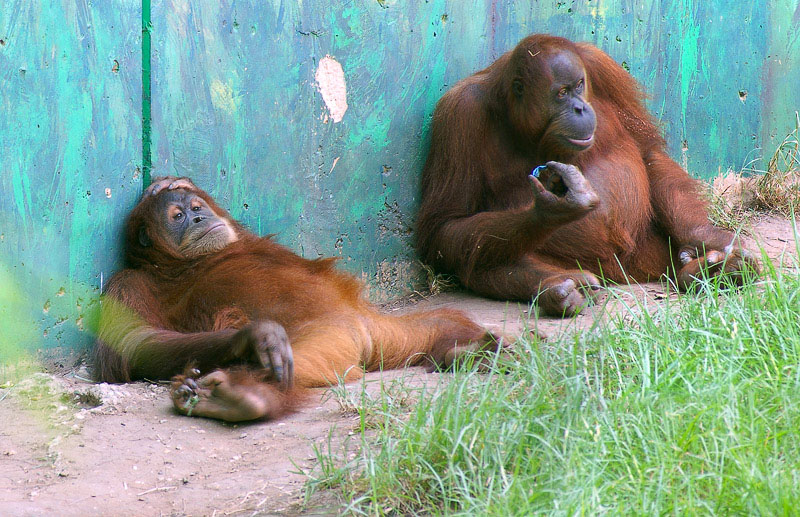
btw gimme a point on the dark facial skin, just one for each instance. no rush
(573, 121)
(190, 224)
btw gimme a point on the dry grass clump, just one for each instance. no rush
(736, 196)
(778, 188)
(438, 282)
(732, 200)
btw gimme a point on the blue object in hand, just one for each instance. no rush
(538, 170)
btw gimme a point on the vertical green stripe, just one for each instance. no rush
(146, 122)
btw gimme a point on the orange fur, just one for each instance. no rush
(478, 202)
(165, 312)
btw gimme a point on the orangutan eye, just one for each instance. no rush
(579, 86)
(178, 216)
(195, 209)
(562, 93)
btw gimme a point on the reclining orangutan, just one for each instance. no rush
(607, 200)
(248, 321)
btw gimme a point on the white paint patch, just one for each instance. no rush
(222, 97)
(330, 80)
(335, 161)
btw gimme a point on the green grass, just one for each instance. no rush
(690, 407)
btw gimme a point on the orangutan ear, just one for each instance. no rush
(144, 239)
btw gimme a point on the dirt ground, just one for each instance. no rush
(123, 451)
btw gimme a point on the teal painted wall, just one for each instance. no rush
(70, 90)
(236, 104)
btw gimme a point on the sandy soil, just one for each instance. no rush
(121, 450)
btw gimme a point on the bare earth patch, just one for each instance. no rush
(69, 447)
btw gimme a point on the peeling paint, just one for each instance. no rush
(222, 97)
(332, 87)
(390, 276)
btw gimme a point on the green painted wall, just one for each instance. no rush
(70, 90)
(236, 104)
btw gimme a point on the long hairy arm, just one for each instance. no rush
(133, 343)
(455, 230)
